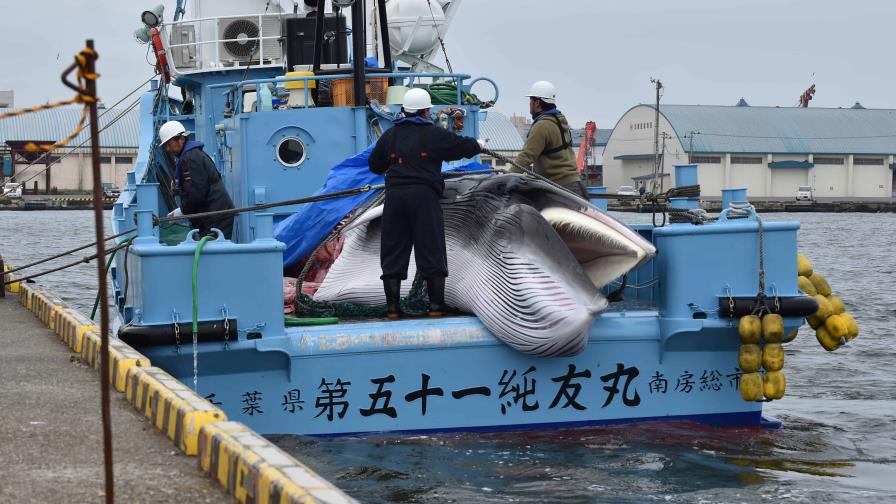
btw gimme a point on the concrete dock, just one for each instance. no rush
(51, 434)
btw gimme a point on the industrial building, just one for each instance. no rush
(68, 168)
(771, 151)
(502, 138)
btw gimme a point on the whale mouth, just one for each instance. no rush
(603, 250)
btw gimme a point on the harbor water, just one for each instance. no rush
(837, 442)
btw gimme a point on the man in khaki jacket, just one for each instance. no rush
(549, 143)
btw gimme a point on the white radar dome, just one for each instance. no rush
(414, 28)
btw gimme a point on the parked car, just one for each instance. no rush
(627, 190)
(12, 190)
(110, 191)
(804, 193)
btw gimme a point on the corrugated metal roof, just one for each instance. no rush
(56, 124)
(600, 137)
(784, 130)
(500, 132)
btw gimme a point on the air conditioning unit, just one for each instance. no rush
(239, 40)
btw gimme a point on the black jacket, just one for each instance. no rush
(202, 189)
(412, 152)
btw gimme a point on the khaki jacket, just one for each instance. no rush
(560, 167)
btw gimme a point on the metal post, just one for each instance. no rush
(318, 35)
(384, 34)
(2, 278)
(359, 44)
(101, 272)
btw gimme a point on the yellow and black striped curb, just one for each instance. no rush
(265, 473)
(256, 471)
(122, 357)
(171, 406)
(12, 288)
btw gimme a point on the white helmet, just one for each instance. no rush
(170, 130)
(416, 99)
(544, 90)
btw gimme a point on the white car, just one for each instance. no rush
(626, 190)
(804, 193)
(12, 190)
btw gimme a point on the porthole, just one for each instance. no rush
(291, 152)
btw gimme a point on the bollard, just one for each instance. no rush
(737, 194)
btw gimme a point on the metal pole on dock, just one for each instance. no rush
(101, 272)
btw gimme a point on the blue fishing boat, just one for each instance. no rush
(287, 105)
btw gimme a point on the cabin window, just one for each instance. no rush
(291, 151)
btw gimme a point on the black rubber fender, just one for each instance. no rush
(793, 306)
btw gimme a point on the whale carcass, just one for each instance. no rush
(525, 256)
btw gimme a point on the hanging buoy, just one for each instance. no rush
(803, 266)
(750, 329)
(805, 285)
(824, 307)
(773, 357)
(821, 285)
(773, 384)
(827, 341)
(836, 304)
(750, 358)
(751, 386)
(772, 328)
(836, 326)
(792, 336)
(852, 327)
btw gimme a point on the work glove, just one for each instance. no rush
(176, 213)
(481, 143)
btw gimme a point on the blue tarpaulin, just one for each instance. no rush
(305, 229)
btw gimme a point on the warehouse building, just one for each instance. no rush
(771, 151)
(501, 136)
(68, 168)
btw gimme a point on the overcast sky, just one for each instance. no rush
(599, 53)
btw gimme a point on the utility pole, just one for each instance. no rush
(662, 158)
(691, 145)
(656, 138)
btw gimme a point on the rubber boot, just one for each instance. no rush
(392, 286)
(436, 288)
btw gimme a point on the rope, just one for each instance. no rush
(83, 97)
(96, 302)
(439, 35)
(84, 260)
(69, 252)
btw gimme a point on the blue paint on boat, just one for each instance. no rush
(668, 355)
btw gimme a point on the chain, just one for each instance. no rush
(730, 302)
(176, 330)
(226, 327)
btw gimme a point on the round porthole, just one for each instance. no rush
(291, 151)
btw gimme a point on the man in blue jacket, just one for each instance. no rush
(198, 182)
(411, 155)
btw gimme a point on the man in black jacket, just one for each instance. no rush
(198, 182)
(411, 155)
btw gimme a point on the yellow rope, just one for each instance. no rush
(81, 60)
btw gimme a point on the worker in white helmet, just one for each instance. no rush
(411, 155)
(548, 147)
(198, 182)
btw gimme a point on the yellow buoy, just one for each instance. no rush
(824, 307)
(751, 386)
(790, 337)
(772, 328)
(815, 321)
(821, 285)
(750, 329)
(836, 326)
(773, 384)
(773, 357)
(806, 286)
(836, 304)
(803, 266)
(827, 341)
(750, 358)
(852, 327)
